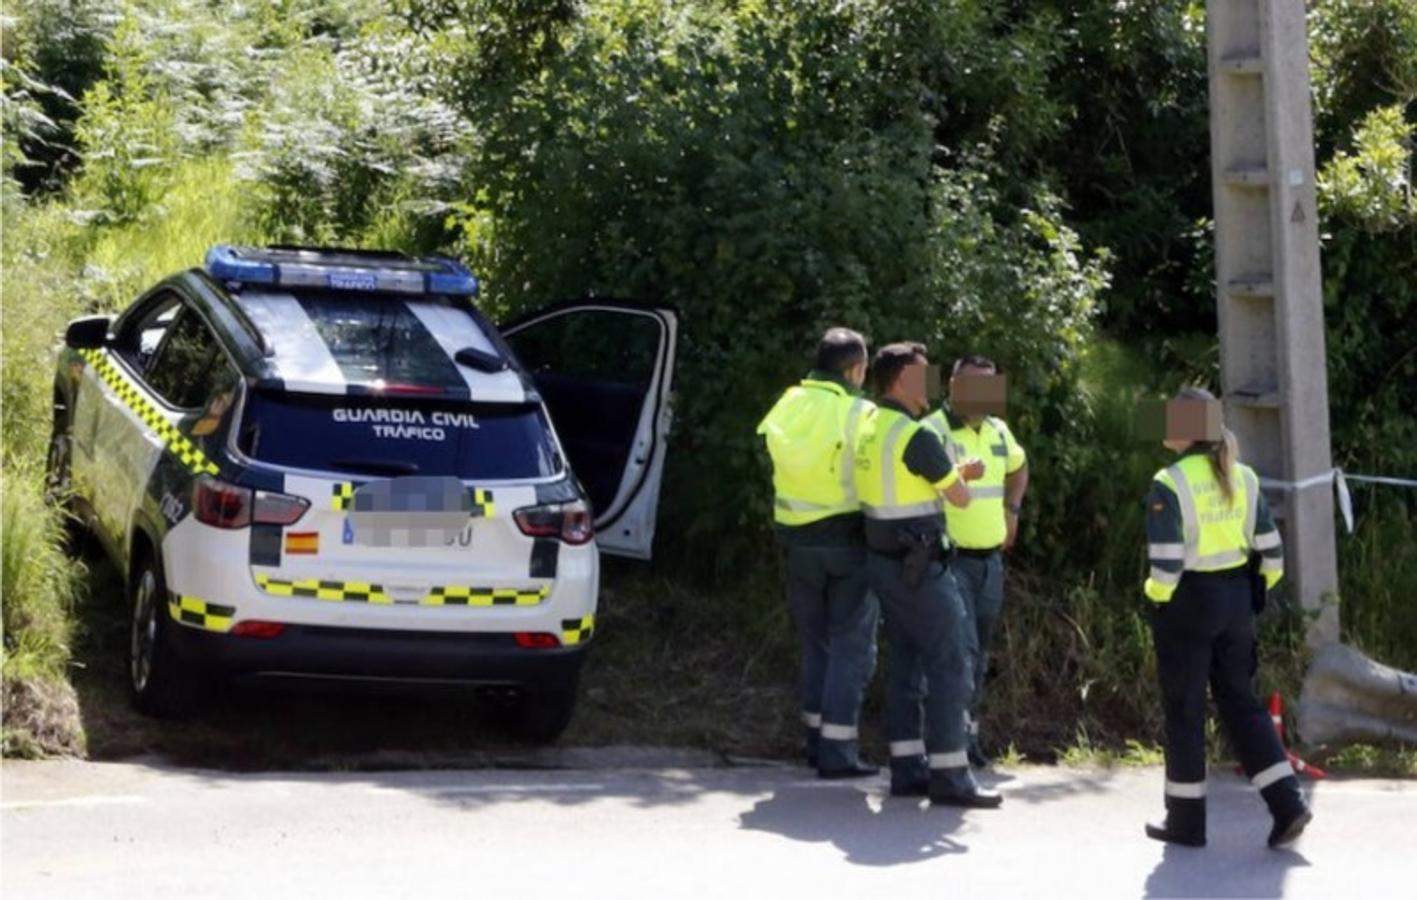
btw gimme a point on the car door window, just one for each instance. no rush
(189, 366)
(140, 339)
(606, 345)
(593, 368)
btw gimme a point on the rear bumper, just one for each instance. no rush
(322, 653)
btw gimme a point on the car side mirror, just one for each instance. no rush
(88, 332)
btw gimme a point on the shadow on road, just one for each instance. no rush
(889, 832)
(1235, 863)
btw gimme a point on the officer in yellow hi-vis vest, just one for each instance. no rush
(811, 435)
(983, 530)
(902, 473)
(1210, 538)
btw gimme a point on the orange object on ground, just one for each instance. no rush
(1276, 715)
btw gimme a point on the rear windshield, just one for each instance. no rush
(365, 339)
(379, 437)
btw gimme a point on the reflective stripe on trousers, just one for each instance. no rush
(1277, 772)
(1194, 790)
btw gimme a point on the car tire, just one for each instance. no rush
(541, 714)
(58, 488)
(57, 465)
(159, 683)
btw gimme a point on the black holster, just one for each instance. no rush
(1258, 589)
(919, 551)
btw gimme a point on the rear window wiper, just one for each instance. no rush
(372, 466)
(480, 360)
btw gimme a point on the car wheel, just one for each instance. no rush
(56, 465)
(58, 487)
(540, 715)
(160, 683)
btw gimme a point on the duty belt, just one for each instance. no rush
(974, 553)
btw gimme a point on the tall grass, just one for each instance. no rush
(57, 266)
(1378, 577)
(39, 585)
(203, 204)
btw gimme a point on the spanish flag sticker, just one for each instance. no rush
(302, 542)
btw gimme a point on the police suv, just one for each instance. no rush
(327, 464)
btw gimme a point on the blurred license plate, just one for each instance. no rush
(412, 511)
(407, 530)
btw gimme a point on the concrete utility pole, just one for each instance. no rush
(1269, 289)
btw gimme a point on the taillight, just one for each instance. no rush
(537, 640)
(224, 505)
(569, 522)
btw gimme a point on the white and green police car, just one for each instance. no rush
(327, 464)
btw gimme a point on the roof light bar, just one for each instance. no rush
(339, 271)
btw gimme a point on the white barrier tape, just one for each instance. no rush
(1340, 481)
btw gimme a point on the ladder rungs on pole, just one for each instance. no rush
(1246, 62)
(1255, 399)
(1247, 176)
(1252, 286)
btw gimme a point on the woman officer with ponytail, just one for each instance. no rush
(1205, 516)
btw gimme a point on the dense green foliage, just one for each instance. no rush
(1024, 180)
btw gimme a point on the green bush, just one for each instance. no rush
(769, 170)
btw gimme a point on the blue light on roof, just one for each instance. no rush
(225, 263)
(458, 280)
(339, 270)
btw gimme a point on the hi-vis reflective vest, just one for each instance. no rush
(1200, 531)
(887, 488)
(811, 435)
(980, 525)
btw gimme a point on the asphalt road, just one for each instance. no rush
(73, 829)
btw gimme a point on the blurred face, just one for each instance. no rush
(976, 392)
(911, 387)
(1179, 423)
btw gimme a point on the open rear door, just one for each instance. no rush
(605, 369)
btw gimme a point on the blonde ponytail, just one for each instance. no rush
(1223, 456)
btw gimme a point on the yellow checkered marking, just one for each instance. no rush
(455, 595)
(319, 589)
(577, 631)
(483, 506)
(208, 616)
(175, 441)
(342, 495)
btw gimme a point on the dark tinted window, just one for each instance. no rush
(379, 339)
(189, 366)
(608, 345)
(373, 436)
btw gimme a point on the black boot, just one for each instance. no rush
(977, 758)
(909, 777)
(1184, 824)
(856, 770)
(1291, 814)
(910, 788)
(811, 742)
(957, 787)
